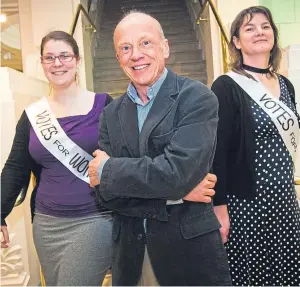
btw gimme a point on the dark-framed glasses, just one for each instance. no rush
(63, 58)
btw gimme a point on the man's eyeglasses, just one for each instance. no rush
(49, 59)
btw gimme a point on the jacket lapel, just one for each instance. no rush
(162, 104)
(129, 126)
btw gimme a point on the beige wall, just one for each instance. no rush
(229, 9)
(37, 18)
(16, 93)
(18, 90)
(286, 15)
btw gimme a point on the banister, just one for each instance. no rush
(224, 36)
(79, 9)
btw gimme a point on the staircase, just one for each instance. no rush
(185, 57)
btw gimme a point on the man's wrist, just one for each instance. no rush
(100, 168)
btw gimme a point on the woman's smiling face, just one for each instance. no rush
(255, 36)
(61, 72)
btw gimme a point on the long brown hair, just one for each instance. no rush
(236, 57)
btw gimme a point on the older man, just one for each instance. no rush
(158, 142)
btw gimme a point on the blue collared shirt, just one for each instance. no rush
(141, 108)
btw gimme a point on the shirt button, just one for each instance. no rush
(140, 236)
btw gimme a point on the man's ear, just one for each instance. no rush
(166, 49)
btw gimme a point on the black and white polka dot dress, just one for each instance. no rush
(264, 241)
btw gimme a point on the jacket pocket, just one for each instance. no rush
(116, 229)
(196, 226)
(160, 141)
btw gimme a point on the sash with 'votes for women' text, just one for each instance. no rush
(283, 117)
(55, 140)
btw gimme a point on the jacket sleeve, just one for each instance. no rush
(16, 171)
(184, 163)
(127, 206)
(224, 135)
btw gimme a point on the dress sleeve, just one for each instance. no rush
(222, 88)
(16, 171)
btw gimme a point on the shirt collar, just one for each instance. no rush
(151, 92)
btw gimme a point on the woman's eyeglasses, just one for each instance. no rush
(49, 59)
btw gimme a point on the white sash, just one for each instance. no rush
(283, 117)
(55, 140)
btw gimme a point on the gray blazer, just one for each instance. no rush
(171, 155)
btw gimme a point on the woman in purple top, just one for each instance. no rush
(72, 233)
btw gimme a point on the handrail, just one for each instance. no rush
(217, 16)
(75, 19)
(224, 36)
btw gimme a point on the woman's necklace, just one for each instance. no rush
(256, 70)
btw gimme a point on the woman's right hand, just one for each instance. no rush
(4, 243)
(223, 217)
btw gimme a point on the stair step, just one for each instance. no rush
(183, 57)
(179, 67)
(176, 47)
(178, 38)
(168, 30)
(145, 2)
(159, 15)
(140, 6)
(177, 22)
(119, 75)
(183, 68)
(147, 9)
(121, 85)
(111, 86)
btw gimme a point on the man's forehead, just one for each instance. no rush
(137, 20)
(135, 29)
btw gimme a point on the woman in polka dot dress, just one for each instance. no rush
(255, 199)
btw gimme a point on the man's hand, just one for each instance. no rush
(4, 243)
(204, 190)
(222, 214)
(94, 166)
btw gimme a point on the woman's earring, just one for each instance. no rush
(50, 87)
(77, 81)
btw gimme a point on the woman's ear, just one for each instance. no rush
(78, 61)
(236, 42)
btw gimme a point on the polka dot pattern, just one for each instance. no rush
(264, 241)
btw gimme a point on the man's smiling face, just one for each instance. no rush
(141, 49)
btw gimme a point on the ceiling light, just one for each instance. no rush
(2, 18)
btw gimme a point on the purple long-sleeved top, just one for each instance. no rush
(60, 193)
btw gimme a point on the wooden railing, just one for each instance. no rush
(79, 9)
(224, 36)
